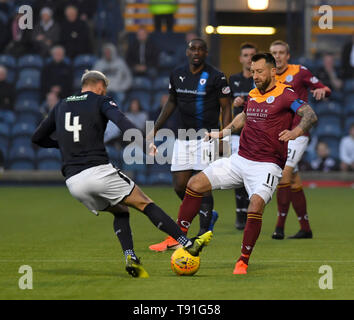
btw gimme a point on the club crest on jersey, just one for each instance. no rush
(289, 78)
(226, 90)
(270, 99)
(202, 82)
(113, 103)
(314, 80)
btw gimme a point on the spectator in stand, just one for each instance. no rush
(46, 33)
(323, 162)
(116, 70)
(21, 40)
(51, 100)
(136, 115)
(57, 75)
(75, 33)
(7, 93)
(328, 74)
(346, 151)
(142, 55)
(348, 59)
(163, 12)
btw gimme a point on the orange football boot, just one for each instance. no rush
(240, 267)
(168, 243)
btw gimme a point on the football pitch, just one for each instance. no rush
(76, 255)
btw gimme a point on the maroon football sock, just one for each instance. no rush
(250, 235)
(189, 209)
(298, 201)
(283, 199)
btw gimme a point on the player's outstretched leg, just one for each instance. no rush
(199, 243)
(250, 234)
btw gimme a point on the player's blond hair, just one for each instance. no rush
(280, 43)
(92, 77)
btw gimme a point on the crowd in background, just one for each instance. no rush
(65, 30)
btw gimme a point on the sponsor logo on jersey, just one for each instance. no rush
(77, 98)
(182, 78)
(113, 103)
(202, 81)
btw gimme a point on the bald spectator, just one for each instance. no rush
(57, 75)
(75, 33)
(7, 94)
(46, 33)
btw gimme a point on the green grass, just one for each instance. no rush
(75, 255)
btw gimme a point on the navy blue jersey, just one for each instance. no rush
(79, 123)
(240, 87)
(197, 96)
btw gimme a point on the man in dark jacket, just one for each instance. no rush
(7, 95)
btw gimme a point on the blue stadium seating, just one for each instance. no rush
(329, 127)
(30, 61)
(4, 130)
(167, 61)
(159, 174)
(348, 85)
(27, 111)
(28, 95)
(10, 63)
(84, 61)
(49, 164)
(48, 154)
(22, 129)
(161, 83)
(141, 83)
(7, 116)
(348, 122)
(29, 79)
(328, 108)
(21, 158)
(21, 141)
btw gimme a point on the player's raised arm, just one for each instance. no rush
(41, 136)
(308, 119)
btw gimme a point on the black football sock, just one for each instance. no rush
(122, 229)
(205, 214)
(164, 222)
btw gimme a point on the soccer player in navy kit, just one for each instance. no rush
(241, 84)
(79, 123)
(198, 91)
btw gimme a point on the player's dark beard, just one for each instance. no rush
(263, 87)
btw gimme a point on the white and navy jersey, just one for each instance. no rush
(240, 87)
(197, 96)
(79, 123)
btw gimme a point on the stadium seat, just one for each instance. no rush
(48, 154)
(49, 164)
(27, 111)
(161, 83)
(166, 60)
(28, 79)
(349, 110)
(21, 141)
(7, 116)
(84, 61)
(28, 95)
(4, 130)
(329, 126)
(348, 85)
(348, 122)
(328, 108)
(21, 158)
(159, 174)
(30, 61)
(22, 129)
(141, 83)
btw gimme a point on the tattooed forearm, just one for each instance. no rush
(308, 117)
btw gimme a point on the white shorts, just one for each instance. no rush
(100, 187)
(259, 178)
(296, 149)
(192, 154)
(235, 143)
